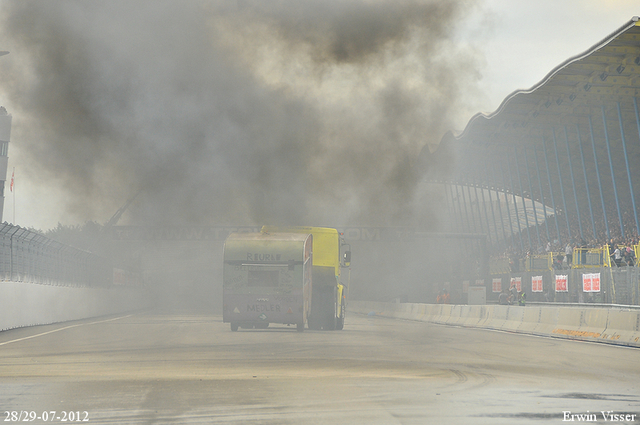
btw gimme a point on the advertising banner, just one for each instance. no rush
(536, 284)
(561, 283)
(591, 282)
(595, 282)
(497, 284)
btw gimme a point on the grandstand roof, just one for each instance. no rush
(540, 142)
(607, 73)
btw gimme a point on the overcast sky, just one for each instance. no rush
(522, 41)
(515, 44)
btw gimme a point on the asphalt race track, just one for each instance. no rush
(174, 368)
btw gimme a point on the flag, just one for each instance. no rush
(11, 185)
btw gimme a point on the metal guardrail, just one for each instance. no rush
(28, 256)
(616, 285)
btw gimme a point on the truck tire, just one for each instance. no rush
(340, 324)
(331, 323)
(234, 327)
(334, 319)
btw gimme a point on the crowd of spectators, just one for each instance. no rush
(568, 245)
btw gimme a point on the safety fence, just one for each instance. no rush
(608, 285)
(28, 256)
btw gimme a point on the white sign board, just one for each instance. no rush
(477, 295)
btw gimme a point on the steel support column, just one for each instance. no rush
(464, 203)
(635, 107)
(573, 183)
(564, 200)
(454, 201)
(472, 216)
(524, 205)
(613, 176)
(553, 201)
(452, 209)
(469, 215)
(586, 183)
(626, 161)
(533, 202)
(595, 159)
(475, 191)
(515, 205)
(504, 230)
(506, 198)
(486, 215)
(544, 204)
(493, 214)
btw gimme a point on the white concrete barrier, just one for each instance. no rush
(29, 304)
(548, 320)
(582, 323)
(611, 325)
(515, 314)
(624, 326)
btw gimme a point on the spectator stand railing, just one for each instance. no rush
(627, 260)
(591, 257)
(539, 262)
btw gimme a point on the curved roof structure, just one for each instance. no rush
(571, 142)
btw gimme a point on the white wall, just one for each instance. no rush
(28, 304)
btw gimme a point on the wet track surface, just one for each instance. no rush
(161, 368)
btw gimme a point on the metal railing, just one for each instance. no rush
(580, 258)
(28, 256)
(539, 262)
(591, 257)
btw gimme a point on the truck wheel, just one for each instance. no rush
(332, 320)
(300, 327)
(340, 324)
(234, 327)
(331, 324)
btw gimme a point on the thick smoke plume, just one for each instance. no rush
(233, 112)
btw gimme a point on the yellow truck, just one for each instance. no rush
(267, 279)
(329, 290)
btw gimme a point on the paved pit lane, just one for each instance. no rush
(191, 369)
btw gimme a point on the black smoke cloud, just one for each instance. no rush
(229, 112)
